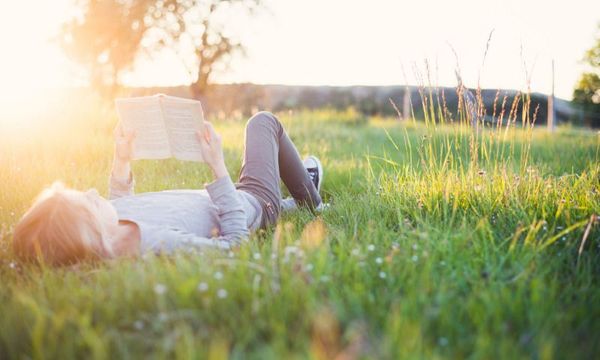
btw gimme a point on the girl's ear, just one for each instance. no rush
(106, 247)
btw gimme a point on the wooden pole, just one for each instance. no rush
(551, 110)
(406, 104)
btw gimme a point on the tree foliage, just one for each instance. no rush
(587, 90)
(592, 56)
(104, 37)
(107, 36)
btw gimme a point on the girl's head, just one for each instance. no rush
(66, 226)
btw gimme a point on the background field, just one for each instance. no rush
(439, 243)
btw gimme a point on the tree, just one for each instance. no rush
(104, 37)
(587, 90)
(108, 35)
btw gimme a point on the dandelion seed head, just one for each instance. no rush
(355, 252)
(218, 275)
(415, 247)
(415, 258)
(443, 341)
(309, 267)
(371, 247)
(325, 278)
(382, 275)
(256, 256)
(379, 260)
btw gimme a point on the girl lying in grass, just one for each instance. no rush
(66, 226)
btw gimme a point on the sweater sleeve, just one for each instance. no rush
(169, 240)
(232, 217)
(119, 188)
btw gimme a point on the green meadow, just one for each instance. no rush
(440, 242)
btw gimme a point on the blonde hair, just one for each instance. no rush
(58, 229)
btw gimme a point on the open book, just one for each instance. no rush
(165, 126)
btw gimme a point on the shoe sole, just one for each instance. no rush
(319, 169)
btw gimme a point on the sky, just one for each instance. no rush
(344, 42)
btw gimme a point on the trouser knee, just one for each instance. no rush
(263, 119)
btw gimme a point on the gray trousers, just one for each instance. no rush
(270, 155)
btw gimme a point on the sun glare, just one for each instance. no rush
(31, 66)
(368, 45)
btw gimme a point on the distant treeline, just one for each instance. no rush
(243, 99)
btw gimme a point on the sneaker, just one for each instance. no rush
(315, 171)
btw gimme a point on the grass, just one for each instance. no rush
(439, 243)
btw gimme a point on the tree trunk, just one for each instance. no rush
(200, 86)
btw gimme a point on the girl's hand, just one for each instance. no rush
(212, 150)
(123, 144)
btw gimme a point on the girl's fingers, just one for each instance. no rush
(119, 129)
(210, 128)
(130, 136)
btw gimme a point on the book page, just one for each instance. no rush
(144, 116)
(183, 118)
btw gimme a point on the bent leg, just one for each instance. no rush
(294, 174)
(269, 155)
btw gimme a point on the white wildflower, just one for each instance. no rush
(218, 275)
(202, 287)
(371, 247)
(162, 317)
(160, 289)
(222, 293)
(138, 325)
